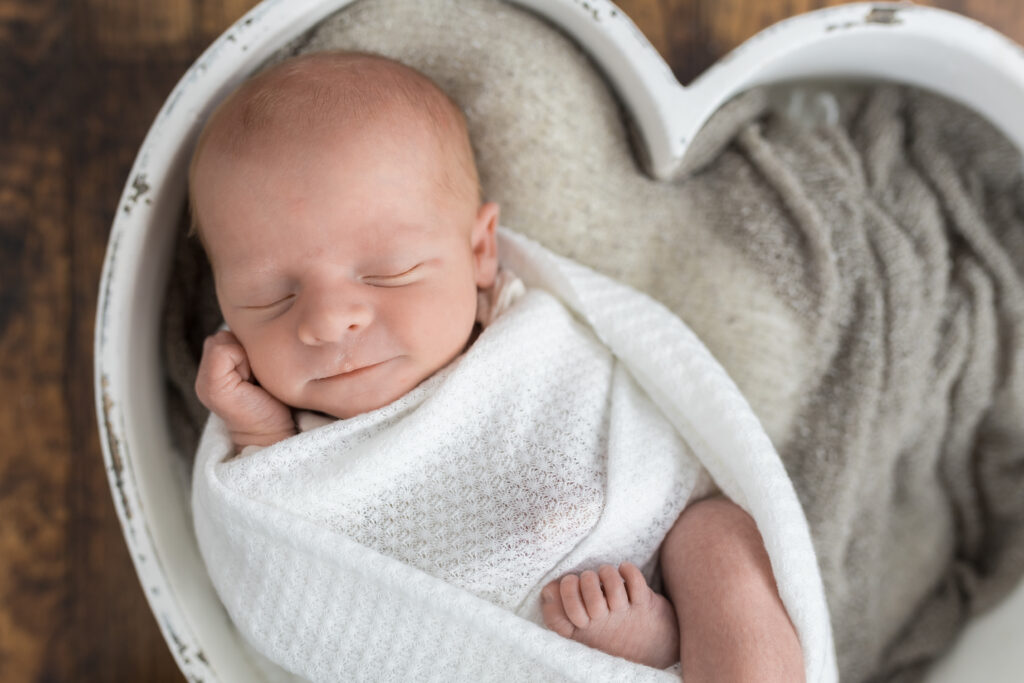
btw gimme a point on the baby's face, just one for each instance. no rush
(346, 271)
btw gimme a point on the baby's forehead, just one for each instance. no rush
(329, 93)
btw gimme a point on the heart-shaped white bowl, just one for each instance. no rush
(929, 48)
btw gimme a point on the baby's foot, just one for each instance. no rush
(614, 610)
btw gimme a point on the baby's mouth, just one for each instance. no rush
(354, 372)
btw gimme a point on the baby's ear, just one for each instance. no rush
(485, 244)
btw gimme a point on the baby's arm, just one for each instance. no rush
(224, 385)
(733, 625)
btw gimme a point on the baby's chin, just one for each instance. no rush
(349, 408)
(344, 403)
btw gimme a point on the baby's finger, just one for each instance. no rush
(226, 357)
(223, 369)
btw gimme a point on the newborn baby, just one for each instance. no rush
(338, 202)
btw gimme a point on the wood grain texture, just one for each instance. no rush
(81, 83)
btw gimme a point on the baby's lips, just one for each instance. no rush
(349, 368)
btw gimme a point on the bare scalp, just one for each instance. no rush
(325, 92)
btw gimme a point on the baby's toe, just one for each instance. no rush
(636, 585)
(593, 597)
(572, 601)
(553, 611)
(614, 587)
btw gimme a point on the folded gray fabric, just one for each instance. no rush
(861, 276)
(906, 224)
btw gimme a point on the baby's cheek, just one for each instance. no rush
(272, 372)
(446, 326)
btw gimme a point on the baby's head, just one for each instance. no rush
(338, 202)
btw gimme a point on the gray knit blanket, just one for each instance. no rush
(858, 270)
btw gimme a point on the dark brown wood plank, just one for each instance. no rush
(34, 314)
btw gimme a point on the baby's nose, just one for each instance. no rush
(331, 319)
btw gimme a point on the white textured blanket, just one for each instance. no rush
(386, 545)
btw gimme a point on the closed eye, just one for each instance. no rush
(272, 304)
(399, 279)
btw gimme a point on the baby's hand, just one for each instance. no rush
(224, 385)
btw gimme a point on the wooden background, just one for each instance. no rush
(80, 82)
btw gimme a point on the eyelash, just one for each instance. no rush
(387, 280)
(383, 281)
(272, 303)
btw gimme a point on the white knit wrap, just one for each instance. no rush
(411, 542)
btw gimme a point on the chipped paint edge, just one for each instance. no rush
(131, 511)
